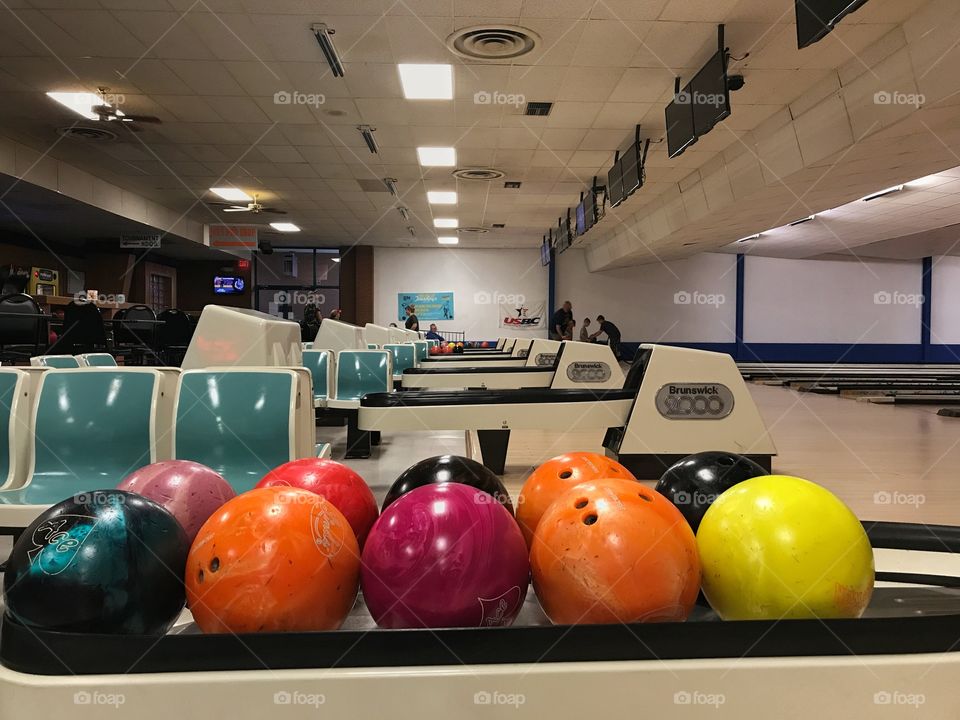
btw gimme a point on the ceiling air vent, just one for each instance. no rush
(499, 226)
(87, 133)
(512, 185)
(493, 42)
(476, 230)
(478, 174)
(538, 108)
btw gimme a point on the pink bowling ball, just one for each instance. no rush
(190, 491)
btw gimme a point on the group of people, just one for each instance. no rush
(310, 325)
(563, 327)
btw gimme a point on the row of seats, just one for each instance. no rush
(68, 431)
(74, 361)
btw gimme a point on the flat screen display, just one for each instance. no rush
(590, 210)
(710, 96)
(680, 128)
(615, 185)
(816, 18)
(630, 164)
(229, 285)
(581, 218)
(545, 252)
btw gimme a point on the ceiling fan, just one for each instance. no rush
(252, 207)
(106, 112)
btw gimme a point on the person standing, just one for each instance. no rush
(611, 331)
(413, 322)
(558, 323)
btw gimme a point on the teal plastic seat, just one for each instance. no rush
(404, 357)
(62, 362)
(238, 422)
(320, 364)
(92, 429)
(360, 372)
(372, 346)
(8, 392)
(423, 349)
(97, 360)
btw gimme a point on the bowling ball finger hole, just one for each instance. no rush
(581, 503)
(590, 519)
(566, 474)
(725, 461)
(214, 565)
(200, 577)
(644, 496)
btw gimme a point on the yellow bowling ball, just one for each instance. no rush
(781, 547)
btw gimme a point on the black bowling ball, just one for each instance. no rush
(105, 561)
(692, 484)
(444, 469)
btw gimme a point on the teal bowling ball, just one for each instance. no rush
(105, 561)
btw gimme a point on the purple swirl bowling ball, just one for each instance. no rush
(190, 491)
(445, 555)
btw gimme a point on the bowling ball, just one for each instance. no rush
(339, 484)
(692, 484)
(612, 551)
(778, 547)
(458, 350)
(448, 469)
(105, 561)
(445, 556)
(434, 350)
(555, 477)
(275, 559)
(187, 489)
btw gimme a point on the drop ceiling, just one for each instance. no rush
(210, 69)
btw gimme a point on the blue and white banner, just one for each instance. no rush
(523, 316)
(426, 306)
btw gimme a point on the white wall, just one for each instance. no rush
(945, 313)
(832, 301)
(476, 277)
(684, 301)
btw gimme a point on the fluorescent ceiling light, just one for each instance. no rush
(231, 194)
(426, 82)
(884, 193)
(449, 240)
(446, 222)
(748, 239)
(285, 227)
(336, 259)
(437, 156)
(81, 103)
(801, 221)
(441, 197)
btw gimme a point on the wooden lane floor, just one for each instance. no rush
(887, 462)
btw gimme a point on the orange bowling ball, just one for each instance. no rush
(555, 477)
(275, 559)
(613, 551)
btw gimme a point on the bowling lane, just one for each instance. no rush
(894, 463)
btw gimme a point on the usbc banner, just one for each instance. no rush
(523, 316)
(426, 306)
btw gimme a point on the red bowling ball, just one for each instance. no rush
(345, 489)
(445, 556)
